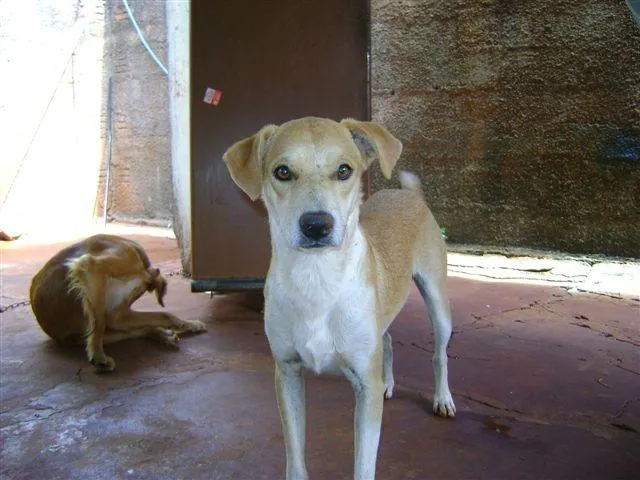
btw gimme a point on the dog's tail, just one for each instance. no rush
(410, 181)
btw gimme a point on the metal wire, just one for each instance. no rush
(110, 149)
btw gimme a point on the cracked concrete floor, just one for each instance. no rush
(547, 385)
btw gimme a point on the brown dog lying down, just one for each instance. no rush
(83, 295)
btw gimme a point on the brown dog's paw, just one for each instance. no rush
(194, 326)
(107, 364)
(167, 337)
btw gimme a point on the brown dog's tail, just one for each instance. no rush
(410, 181)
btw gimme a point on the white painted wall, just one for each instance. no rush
(178, 37)
(51, 99)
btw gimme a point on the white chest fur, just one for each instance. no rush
(344, 336)
(118, 290)
(319, 306)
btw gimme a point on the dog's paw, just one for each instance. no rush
(443, 405)
(165, 336)
(169, 337)
(172, 339)
(388, 390)
(104, 365)
(194, 326)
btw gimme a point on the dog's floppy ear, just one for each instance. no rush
(244, 161)
(161, 289)
(375, 143)
(157, 284)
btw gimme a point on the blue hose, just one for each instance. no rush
(142, 39)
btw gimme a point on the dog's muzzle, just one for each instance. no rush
(316, 227)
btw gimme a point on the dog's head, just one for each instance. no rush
(308, 172)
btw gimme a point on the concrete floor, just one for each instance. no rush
(547, 385)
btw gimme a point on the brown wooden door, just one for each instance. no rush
(273, 61)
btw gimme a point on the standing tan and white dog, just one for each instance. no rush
(341, 271)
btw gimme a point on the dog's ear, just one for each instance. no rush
(375, 143)
(244, 161)
(161, 289)
(157, 284)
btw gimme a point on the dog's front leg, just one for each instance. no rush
(290, 390)
(369, 391)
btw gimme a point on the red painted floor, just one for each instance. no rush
(547, 386)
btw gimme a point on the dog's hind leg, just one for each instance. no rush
(90, 283)
(162, 335)
(387, 365)
(127, 319)
(113, 336)
(439, 311)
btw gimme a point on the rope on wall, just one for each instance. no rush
(142, 39)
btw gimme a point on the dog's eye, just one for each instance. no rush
(282, 173)
(344, 172)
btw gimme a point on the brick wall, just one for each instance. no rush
(141, 164)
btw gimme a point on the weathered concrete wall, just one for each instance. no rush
(522, 118)
(141, 160)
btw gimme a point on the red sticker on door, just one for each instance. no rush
(212, 96)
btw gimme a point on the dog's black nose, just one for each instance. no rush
(316, 225)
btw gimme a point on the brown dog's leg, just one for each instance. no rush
(89, 276)
(162, 335)
(111, 336)
(127, 319)
(90, 283)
